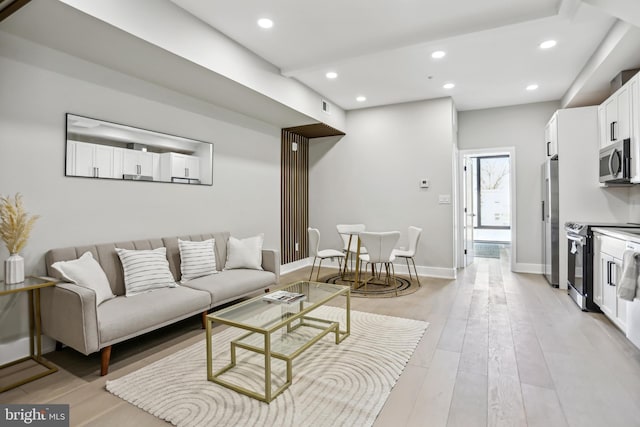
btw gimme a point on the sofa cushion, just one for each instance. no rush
(123, 317)
(197, 259)
(85, 271)
(145, 270)
(173, 251)
(232, 284)
(244, 253)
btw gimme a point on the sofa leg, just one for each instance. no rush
(204, 319)
(58, 346)
(104, 360)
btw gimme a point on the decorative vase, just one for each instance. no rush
(14, 269)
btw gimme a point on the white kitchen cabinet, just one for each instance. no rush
(615, 116)
(136, 162)
(181, 166)
(551, 136)
(90, 160)
(608, 252)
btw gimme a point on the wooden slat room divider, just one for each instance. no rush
(294, 190)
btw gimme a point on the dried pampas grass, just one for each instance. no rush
(15, 223)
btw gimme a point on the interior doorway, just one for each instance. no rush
(487, 216)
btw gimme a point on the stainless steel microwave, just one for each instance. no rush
(615, 163)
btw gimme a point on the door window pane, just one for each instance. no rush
(493, 192)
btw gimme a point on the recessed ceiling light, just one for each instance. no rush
(532, 86)
(331, 75)
(438, 54)
(265, 23)
(448, 86)
(361, 98)
(548, 44)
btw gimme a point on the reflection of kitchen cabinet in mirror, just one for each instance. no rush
(99, 149)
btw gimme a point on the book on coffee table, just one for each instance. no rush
(284, 297)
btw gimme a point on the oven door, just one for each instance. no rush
(576, 279)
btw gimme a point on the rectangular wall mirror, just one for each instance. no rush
(99, 149)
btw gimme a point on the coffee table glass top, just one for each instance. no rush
(260, 314)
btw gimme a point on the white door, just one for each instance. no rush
(468, 211)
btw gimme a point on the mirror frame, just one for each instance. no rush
(168, 144)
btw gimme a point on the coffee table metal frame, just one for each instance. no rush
(285, 321)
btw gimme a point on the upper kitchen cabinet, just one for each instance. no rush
(551, 136)
(89, 160)
(138, 163)
(616, 115)
(177, 167)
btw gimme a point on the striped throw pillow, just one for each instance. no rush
(197, 259)
(145, 270)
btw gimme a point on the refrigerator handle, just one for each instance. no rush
(543, 210)
(548, 151)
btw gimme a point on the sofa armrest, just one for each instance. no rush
(69, 316)
(271, 262)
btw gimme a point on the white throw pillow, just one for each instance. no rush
(244, 253)
(85, 271)
(145, 270)
(197, 259)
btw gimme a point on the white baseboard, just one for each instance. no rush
(19, 348)
(293, 266)
(437, 272)
(520, 267)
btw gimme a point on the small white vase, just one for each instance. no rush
(14, 269)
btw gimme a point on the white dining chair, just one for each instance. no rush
(380, 251)
(314, 249)
(349, 240)
(409, 254)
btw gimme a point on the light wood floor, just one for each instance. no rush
(502, 349)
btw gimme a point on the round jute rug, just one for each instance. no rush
(375, 289)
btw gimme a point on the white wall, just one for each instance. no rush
(244, 198)
(372, 175)
(581, 197)
(521, 127)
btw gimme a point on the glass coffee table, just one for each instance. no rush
(296, 328)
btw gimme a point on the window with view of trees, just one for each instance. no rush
(492, 204)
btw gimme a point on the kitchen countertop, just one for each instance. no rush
(631, 234)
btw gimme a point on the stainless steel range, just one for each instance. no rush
(580, 261)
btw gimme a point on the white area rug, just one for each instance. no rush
(333, 385)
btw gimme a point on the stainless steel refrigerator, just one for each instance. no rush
(550, 222)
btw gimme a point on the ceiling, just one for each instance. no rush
(382, 49)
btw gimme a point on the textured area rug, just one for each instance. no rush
(376, 289)
(333, 385)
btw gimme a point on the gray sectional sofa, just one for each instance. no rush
(70, 315)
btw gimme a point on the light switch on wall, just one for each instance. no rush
(444, 199)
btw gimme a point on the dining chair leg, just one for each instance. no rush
(408, 268)
(416, 271)
(318, 273)
(312, 265)
(386, 268)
